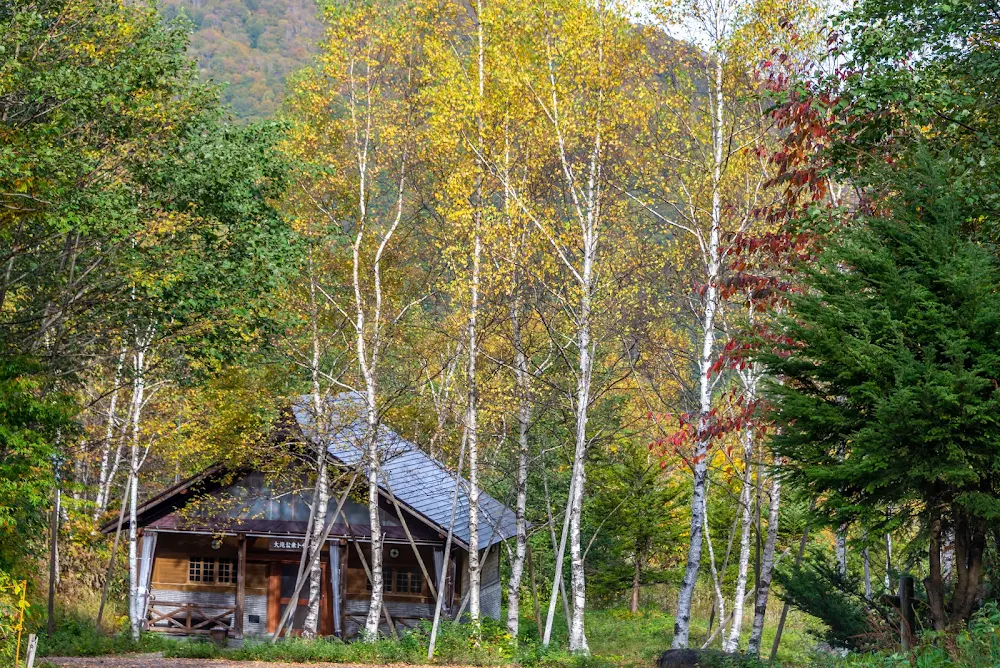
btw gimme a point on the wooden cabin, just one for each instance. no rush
(221, 550)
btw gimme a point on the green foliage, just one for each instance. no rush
(31, 422)
(250, 46)
(634, 507)
(889, 359)
(818, 589)
(978, 645)
(76, 636)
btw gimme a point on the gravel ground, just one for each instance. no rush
(157, 661)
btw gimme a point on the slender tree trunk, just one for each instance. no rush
(310, 626)
(53, 564)
(720, 601)
(685, 596)
(521, 482)
(948, 554)
(767, 569)
(375, 606)
(138, 398)
(888, 562)
(842, 549)
(934, 583)
(732, 642)
(473, 407)
(577, 637)
(558, 576)
(321, 497)
(636, 580)
(104, 480)
(558, 548)
(867, 570)
(472, 427)
(534, 591)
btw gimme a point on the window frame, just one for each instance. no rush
(207, 571)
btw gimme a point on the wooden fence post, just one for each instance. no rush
(32, 646)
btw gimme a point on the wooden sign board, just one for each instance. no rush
(284, 544)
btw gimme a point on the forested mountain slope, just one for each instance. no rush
(251, 46)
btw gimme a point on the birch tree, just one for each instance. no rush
(580, 82)
(709, 141)
(358, 121)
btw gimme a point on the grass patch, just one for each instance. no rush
(616, 638)
(74, 636)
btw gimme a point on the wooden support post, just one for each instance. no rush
(241, 579)
(32, 647)
(368, 574)
(343, 587)
(907, 617)
(413, 544)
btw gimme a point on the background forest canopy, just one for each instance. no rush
(705, 290)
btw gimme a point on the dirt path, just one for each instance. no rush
(157, 661)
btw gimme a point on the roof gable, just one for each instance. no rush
(417, 480)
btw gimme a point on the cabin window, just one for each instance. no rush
(405, 581)
(201, 570)
(224, 575)
(208, 570)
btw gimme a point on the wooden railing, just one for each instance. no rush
(189, 618)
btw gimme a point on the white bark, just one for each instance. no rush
(321, 497)
(732, 642)
(310, 626)
(135, 463)
(370, 323)
(720, 601)
(557, 577)
(472, 412)
(841, 547)
(948, 554)
(888, 562)
(558, 548)
(867, 572)
(521, 480)
(767, 569)
(682, 626)
(104, 480)
(472, 429)
(577, 637)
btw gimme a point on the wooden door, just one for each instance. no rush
(281, 586)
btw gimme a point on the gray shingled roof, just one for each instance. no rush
(416, 479)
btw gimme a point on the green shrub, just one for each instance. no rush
(978, 645)
(74, 636)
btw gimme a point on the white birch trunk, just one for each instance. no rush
(577, 637)
(732, 642)
(682, 626)
(321, 497)
(888, 562)
(767, 569)
(376, 602)
(868, 573)
(310, 626)
(720, 600)
(842, 549)
(104, 479)
(948, 554)
(521, 481)
(138, 397)
(472, 416)
(472, 428)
